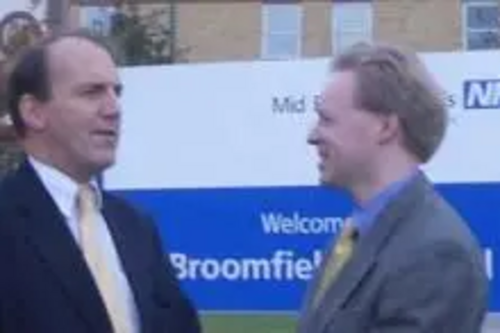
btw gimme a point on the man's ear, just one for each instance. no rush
(32, 113)
(389, 128)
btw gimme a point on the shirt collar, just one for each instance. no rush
(61, 187)
(364, 217)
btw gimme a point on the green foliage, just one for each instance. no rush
(143, 39)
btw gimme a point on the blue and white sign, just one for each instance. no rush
(482, 94)
(217, 153)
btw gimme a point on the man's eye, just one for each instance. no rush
(92, 91)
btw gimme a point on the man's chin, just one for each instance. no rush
(326, 180)
(106, 164)
(102, 164)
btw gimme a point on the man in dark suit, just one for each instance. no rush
(74, 258)
(405, 261)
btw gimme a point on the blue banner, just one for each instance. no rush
(254, 249)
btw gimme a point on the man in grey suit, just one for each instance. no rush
(411, 264)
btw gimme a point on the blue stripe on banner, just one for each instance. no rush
(253, 249)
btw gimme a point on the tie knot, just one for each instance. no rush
(349, 230)
(87, 198)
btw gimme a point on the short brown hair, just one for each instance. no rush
(394, 81)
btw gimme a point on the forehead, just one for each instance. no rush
(76, 60)
(340, 88)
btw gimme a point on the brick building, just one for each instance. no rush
(279, 29)
(219, 30)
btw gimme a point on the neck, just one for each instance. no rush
(50, 158)
(381, 177)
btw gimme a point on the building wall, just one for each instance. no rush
(316, 38)
(210, 31)
(425, 25)
(220, 30)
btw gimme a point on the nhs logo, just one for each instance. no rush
(481, 94)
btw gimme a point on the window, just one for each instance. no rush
(281, 30)
(96, 18)
(481, 25)
(352, 22)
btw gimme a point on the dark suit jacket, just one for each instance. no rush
(45, 286)
(418, 269)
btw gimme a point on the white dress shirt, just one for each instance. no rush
(63, 190)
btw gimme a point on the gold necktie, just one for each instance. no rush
(342, 252)
(98, 262)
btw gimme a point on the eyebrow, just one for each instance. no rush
(117, 87)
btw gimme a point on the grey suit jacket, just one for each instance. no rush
(418, 269)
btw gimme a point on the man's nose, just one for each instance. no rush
(111, 105)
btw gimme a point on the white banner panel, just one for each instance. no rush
(245, 124)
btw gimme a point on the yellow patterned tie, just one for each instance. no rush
(342, 252)
(98, 262)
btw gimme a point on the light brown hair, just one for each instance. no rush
(393, 81)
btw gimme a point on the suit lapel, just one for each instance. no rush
(46, 231)
(365, 257)
(307, 308)
(125, 242)
(348, 280)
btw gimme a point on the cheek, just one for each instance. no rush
(69, 127)
(58, 123)
(366, 128)
(344, 144)
(77, 116)
(363, 139)
(335, 138)
(331, 150)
